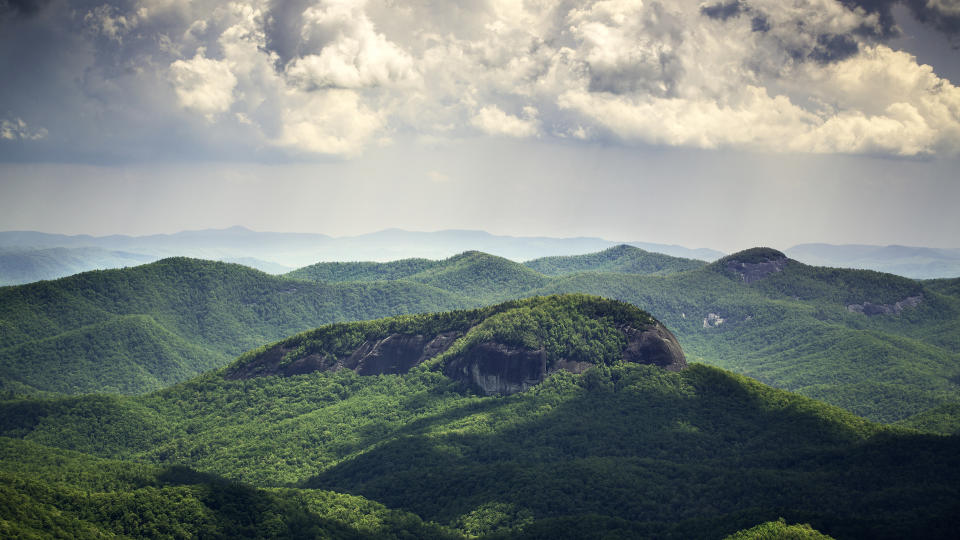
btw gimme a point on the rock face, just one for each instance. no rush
(751, 272)
(656, 345)
(869, 308)
(396, 353)
(503, 369)
(712, 320)
(500, 369)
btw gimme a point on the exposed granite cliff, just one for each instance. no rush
(755, 264)
(395, 353)
(503, 369)
(869, 308)
(487, 347)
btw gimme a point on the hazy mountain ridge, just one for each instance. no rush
(270, 251)
(908, 261)
(18, 266)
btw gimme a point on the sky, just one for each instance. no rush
(722, 124)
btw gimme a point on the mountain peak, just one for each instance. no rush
(755, 255)
(623, 249)
(752, 265)
(501, 349)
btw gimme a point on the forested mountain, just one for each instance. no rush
(623, 259)
(944, 419)
(882, 346)
(622, 449)
(26, 265)
(52, 493)
(477, 275)
(363, 271)
(500, 349)
(143, 328)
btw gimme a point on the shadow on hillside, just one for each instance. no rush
(242, 511)
(682, 456)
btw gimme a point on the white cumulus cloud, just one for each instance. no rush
(332, 122)
(336, 76)
(493, 121)
(203, 84)
(352, 54)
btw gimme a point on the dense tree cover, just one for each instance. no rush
(779, 530)
(473, 274)
(949, 287)
(481, 276)
(791, 329)
(363, 271)
(885, 367)
(630, 448)
(46, 492)
(838, 285)
(99, 357)
(143, 328)
(621, 259)
(944, 419)
(575, 327)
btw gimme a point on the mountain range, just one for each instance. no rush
(280, 252)
(912, 262)
(882, 346)
(376, 429)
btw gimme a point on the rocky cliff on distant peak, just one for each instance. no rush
(753, 265)
(497, 368)
(500, 349)
(395, 353)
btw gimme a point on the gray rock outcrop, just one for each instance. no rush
(504, 369)
(869, 308)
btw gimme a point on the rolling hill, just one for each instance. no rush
(477, 275)
(143, 328)
(836, 335)
(621, 448)
(623, 259)
(47, 492)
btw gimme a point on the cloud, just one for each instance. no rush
(723, 10)
(265, 78)
(950, 8)
(106, 21)
(14, 129)
(203, 84)
(943, 15)
(332, 122)
(493, 121)
(351, 53)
